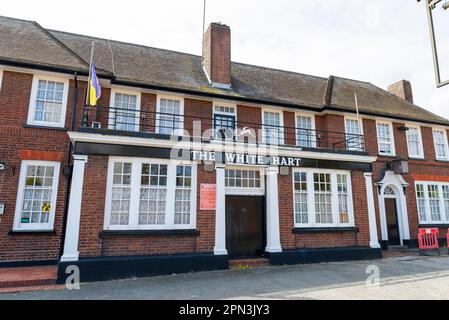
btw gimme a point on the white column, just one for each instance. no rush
(220, 212)
(374, 241)
(272, 195)
(73, 217)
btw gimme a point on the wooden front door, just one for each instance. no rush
(245, 226)
(391, 212)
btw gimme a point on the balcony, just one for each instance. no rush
(218, 128)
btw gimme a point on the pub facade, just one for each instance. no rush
(189, 162)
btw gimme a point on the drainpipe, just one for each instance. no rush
(68, 166)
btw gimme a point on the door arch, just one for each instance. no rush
(392, 186)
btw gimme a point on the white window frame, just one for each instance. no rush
(335, 204)
(33, 96)
(247, 191)
(112, 110)
(421, 148)
(133, 221)
(445, 141)
(223, 104)
(20, 193)
(158, 110)
(360, 124)
(297, 129)
(1, 79)
(444, 220)
(393, 148)
(281, 124)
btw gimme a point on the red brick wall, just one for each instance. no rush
(92, 208)
(17, 142)
(217, 53)
(197, 110)
(400, 141)
(103, 110)
(15, 98)
(290, 240)
(250, 117)
(429, 148)
(92, 222)
(148, 108)
(370, 135)
(290, 125)
(330, 131)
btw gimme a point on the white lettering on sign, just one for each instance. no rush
(233, 158)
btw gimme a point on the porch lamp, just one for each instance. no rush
(431, 5)
(400, 166)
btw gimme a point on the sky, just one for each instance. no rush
(379, 41)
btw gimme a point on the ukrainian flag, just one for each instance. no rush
(94, 92)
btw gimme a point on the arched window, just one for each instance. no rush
(389, 192)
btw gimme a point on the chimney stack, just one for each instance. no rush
(402, 89)
(217, 55)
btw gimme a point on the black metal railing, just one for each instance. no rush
(129, 120)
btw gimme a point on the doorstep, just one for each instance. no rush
(251, 262)
(28, 278)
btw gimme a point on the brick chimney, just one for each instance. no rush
(217, 55)
(402, 89)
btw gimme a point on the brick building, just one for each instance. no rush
(190, 161)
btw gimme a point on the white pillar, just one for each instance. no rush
(74, 214)
(374, 241)
(220, 212)
(272, 195)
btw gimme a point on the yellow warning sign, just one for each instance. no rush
(46, 207)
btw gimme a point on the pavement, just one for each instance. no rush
(396, 278)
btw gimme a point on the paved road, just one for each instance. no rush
(400, 278)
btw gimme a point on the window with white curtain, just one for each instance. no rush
(305, 133)
(121, 193)
(343, 197)
(440, 141)
(322, 198)
(385, 139)
(36, 197)
(414, 143)
(170, 115)
(48, 102)
(272, 128)
(300, 198)
(183, 196)
(354, 139)
(150, 194)
(432, 202)
(153, 194)
(125, 112)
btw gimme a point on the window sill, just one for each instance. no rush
(32, 232)
(325, 230)
(416, 158)
(434, 225)
(144, 233)
(44, 127)
(387, 155)
(442, 160)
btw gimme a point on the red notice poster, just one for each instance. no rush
(207, 196)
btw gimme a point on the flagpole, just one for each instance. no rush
(87, 100)
(357, 107)
(90, 70)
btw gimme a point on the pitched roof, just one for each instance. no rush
(149, 66)
(27, 42)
